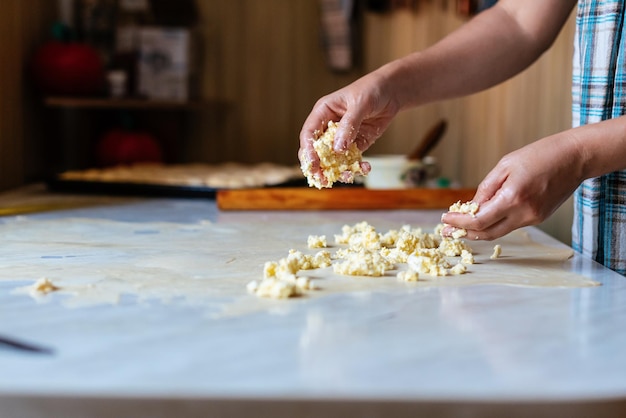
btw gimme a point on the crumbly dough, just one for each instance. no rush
(467, 257)
(454, 247)
(429, 261)
(467, 207)
(334, 166)
(280, 278)
(363, 263)
(365, 252)
(459, 268)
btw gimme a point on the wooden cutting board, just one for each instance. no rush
(348, 198)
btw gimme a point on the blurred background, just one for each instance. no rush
(233, 80)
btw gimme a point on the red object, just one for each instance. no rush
(68, 68)
(120, 146)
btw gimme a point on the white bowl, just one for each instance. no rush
(396, 171)
(388, 171)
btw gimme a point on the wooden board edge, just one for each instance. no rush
(340, 199)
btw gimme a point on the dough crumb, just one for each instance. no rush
(497, 251)
(334, 166)
(363, 263)
(280, 279)
(429, 261)
(317, 241)
(409, 275)
(459, 268)
(470, 208)
(43, 286)
(467, 257)
(453, 247)
(276, 289)
(467, 207)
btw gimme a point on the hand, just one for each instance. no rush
(524, 188)
(364, 109)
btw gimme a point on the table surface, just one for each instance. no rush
(393, 350)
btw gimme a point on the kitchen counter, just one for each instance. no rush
(391, 350)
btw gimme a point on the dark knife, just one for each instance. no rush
(24, 346)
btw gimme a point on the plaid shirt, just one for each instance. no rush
(599, 93)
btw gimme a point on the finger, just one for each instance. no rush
(490, 185)
(363, 142)
(310, 129)
(310, 162)
(489, 214)
(308, 156)
(498, 230)
(495, 231)
(347, 130)
(317, 120)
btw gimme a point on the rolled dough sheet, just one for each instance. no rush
(96, 261)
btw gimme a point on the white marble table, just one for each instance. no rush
(483, 350)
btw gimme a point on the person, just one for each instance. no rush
(529, 184)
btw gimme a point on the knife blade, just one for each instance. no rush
(24, 346)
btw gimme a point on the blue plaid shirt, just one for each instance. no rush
(599, 93)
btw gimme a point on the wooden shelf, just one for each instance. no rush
(107, 103)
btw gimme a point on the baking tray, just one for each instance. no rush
(57, 184)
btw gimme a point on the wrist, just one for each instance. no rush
(397, 79)
(601, 147)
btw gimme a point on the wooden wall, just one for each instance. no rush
(264, 59)
(11, 130)
(22, 25)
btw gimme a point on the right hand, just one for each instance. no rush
(364, 109)
(524, 188)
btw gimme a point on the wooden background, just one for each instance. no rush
(264, 60)
(23, 24)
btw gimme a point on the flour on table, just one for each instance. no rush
(334, 166)
(208, 265)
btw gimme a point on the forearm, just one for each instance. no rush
(492, 47)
